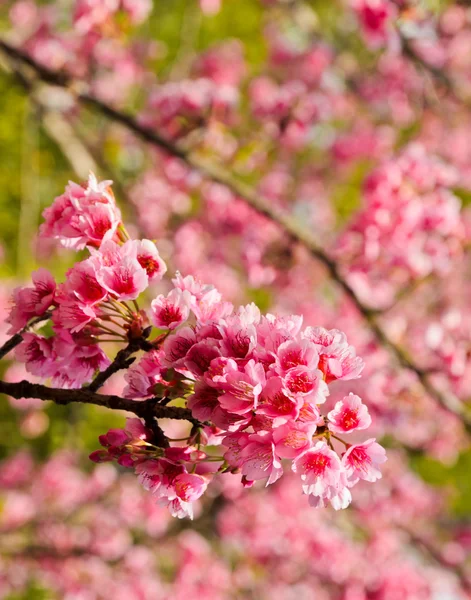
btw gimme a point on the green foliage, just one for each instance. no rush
(454, 479)
(347, 195)
(34, 592)
(464, 195)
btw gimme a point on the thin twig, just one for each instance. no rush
(122, 360)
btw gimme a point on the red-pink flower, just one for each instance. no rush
(210, 307)
(235, 443)
(142, 378)
(32, 302)
(125, 280)
(292, 354)
(320, 469)
(203, 402)
(81, 366)
(362, 461)
(259, 459)
(337, 359)
(375, 17)
(239, 333)
(171, 311)
(82, 216)
(199, 356)
(148, 257)
(348, 415)
(276, 404)
(189, 487)
(82, 283)
(38, 355)
(72, 315)
(302, 382)
(242, 388)
(293, 438)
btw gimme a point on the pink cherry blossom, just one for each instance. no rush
(199, 357)
(239, 333)
(276, 404)
(143, 376)
(177, 346)
(38, 354)
(292, 354)
(81, 366)
(337, 359)
(302, 382)
(361, 461)
(148, 257)
(349, 414)
(82, 215)
(293, 438)
(73, 316)
(125, 281)
(242, 388)
(171, 311)
(203, 402)
(375, 18)
(82, 282)
(32, 302)
(321, 473)
(189, 487)
(259, 459)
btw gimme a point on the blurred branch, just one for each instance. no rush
(63, 134)
(297, 234)
(436, 555)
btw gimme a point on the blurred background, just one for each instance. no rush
(351, 116)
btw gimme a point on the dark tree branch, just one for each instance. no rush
(144, 409)
(122, 360)
(287, 224)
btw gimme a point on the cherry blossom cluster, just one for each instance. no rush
(255, 383)
(85, 307)
(410, 225)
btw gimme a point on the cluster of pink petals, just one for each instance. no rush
(260, 380)
(83, 215)
(166, 476)
(82, 306)
(32, 302)
(410, 225)
(255, 382)
(90, 15)
(178, 107)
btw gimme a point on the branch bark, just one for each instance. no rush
(143, 409)
(122, 360)
(287, 224)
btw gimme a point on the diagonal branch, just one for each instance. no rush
(289, 226)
